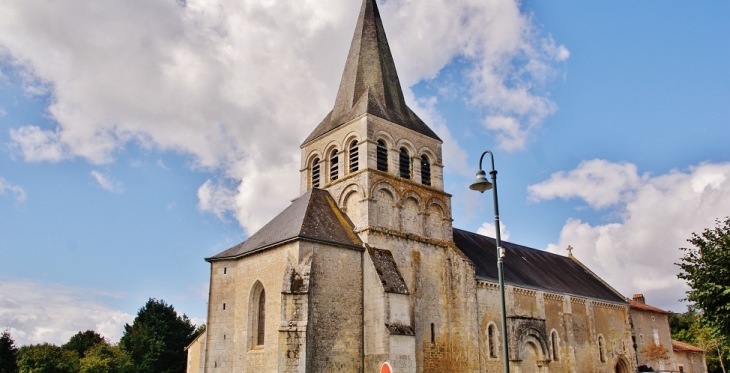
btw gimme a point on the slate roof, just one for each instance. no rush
(387, 270)
(645, 307)
(531, 268)
(370, 83)
(314, 216)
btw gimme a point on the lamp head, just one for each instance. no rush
(481, 183)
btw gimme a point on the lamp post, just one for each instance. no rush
(480, 185)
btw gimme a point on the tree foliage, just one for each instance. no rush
(689, 327)
(47, 358)
(83, 341)
(706, 268)
(8, 351)
(105, 358)
(654, 352)
(157, 338)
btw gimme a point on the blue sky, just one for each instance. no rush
(169, 133)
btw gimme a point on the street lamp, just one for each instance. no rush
(480, 185)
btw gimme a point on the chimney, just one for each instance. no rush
(639, 298)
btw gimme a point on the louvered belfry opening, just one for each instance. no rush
(315, 173)
(354, 157)
(404, 164)
(334, 165)
(382, 156)
(425, 171)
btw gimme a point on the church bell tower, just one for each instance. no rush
(378, 159)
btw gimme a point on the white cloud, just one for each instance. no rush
(107, 183)
(597, 181)
(37, 312)
(487, 229)
(238, 85)
(16, 190)
(658, 214)
(2, 111)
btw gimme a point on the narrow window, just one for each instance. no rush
(554, 342)
(433, 334)
(224, 270)
(425, 171)
(404, 164)
(224, 306)
(315, 173)
(382, 156)
(354, 157)
(641, 339)
(492, 340)
(334, 165)
(656, 337)
(601, 355)
(681, 369)
(262, 319)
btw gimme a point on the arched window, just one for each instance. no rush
(601, 353)
(315, 173)
(555, 344)
(425, 170)
(404, 164)
(257, 316)
(354, 156)
(382, 156)
(492, 340)
(334, 165)
(261, 327)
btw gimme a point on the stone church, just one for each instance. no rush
(364, 272)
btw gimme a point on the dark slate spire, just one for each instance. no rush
(370, 82)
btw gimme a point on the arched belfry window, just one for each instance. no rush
(404, 164)
(382, 156)
(425, 170)
(492, 340)
(354, 156)
(315, 173)
(334, 165)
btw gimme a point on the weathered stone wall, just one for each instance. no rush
(645, 324)
(533, 316)
(690, 362)
(334, 335)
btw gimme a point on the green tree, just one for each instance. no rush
(157, 338)
(706, 268)
(689, 327)
(105, 358)
(47, 358)
(83, 341)
(8, 353)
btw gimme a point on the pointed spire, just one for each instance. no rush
(370, 82)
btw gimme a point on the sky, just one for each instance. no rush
(139, 137)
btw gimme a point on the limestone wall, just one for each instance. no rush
(550, 332)
(652, 327)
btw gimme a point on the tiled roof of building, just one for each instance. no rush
(532, 268)
(314, 216)
(645, 307)
(681, 346)
(370, 83)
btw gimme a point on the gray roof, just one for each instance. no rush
(532, 268)
(314, 216)
(370, 82)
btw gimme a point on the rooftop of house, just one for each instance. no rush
(686, 347)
